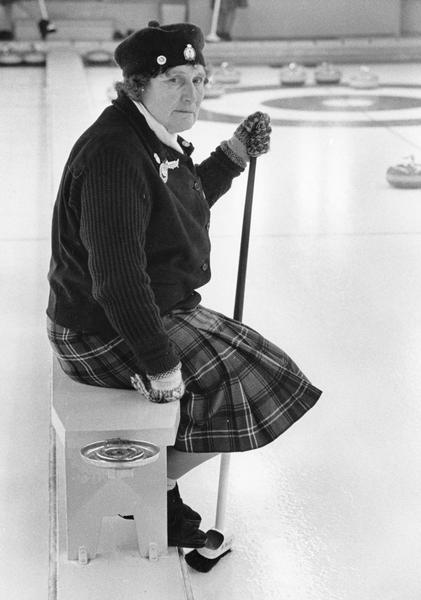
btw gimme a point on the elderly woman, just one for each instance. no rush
(130, 247)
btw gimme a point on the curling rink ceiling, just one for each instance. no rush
(331, 510)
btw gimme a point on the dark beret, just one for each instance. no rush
(160, 46)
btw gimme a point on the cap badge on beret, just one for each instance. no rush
(189, 52)
(161, 59)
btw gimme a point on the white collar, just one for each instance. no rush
(167, 138)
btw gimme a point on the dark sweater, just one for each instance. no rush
(128, 247)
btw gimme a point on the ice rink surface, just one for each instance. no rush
(331, 510)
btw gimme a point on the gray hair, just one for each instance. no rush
(134, 85)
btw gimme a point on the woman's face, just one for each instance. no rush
(174, 97)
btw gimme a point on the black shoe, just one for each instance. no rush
(117, 35)
(226, 37)
(174, 503)
(186, 536)
(183, 533)
(5, 34)
(45, 27)
(183, 523)
(174, 500)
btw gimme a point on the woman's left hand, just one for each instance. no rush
(251, 138)
(254, 132)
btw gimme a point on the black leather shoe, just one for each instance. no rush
(226, 37)
(45, 27)
(174, 500)
(6, 34)
(183, 533)
(174, 503)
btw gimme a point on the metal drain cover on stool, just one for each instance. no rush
(120, 454)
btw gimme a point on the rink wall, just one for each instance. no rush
(262, 20)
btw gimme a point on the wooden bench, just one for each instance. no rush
(82, 415)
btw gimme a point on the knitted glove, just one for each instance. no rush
(251, 138)
(162, 387)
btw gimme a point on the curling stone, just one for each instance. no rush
(405, 175)
(98, 57)
(327, 74)
(214, 90)
(293, 75)
(10, 58)
(34, 57)
(226, 74)
(365, 79)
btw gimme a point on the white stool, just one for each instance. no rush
(83, 415)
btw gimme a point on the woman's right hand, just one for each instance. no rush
(166, 387)
(162, 387)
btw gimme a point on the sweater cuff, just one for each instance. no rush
(236, 151)
(160, 364)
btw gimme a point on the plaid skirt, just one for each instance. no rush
(242, 390)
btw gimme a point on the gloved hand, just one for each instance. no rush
(163, 387)
(251, 138)
(166, 387)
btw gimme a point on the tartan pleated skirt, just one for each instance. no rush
(242, 390)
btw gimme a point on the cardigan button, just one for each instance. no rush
(196, 186)
(205, 266)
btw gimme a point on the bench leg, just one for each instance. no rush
(82, 536)
(151, 524)
(150, 507)
(83, 508)
(92, 493)
(80, 528)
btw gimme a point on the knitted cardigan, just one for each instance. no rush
(130, 233)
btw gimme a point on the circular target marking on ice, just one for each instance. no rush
(343, 106)
(344, 102)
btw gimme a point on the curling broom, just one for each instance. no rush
(219, 542)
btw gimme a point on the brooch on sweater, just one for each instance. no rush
(165, 166)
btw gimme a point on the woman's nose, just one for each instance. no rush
(189, 94)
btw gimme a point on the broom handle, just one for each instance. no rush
(244, 247)
(238, 314)
(221, 503)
